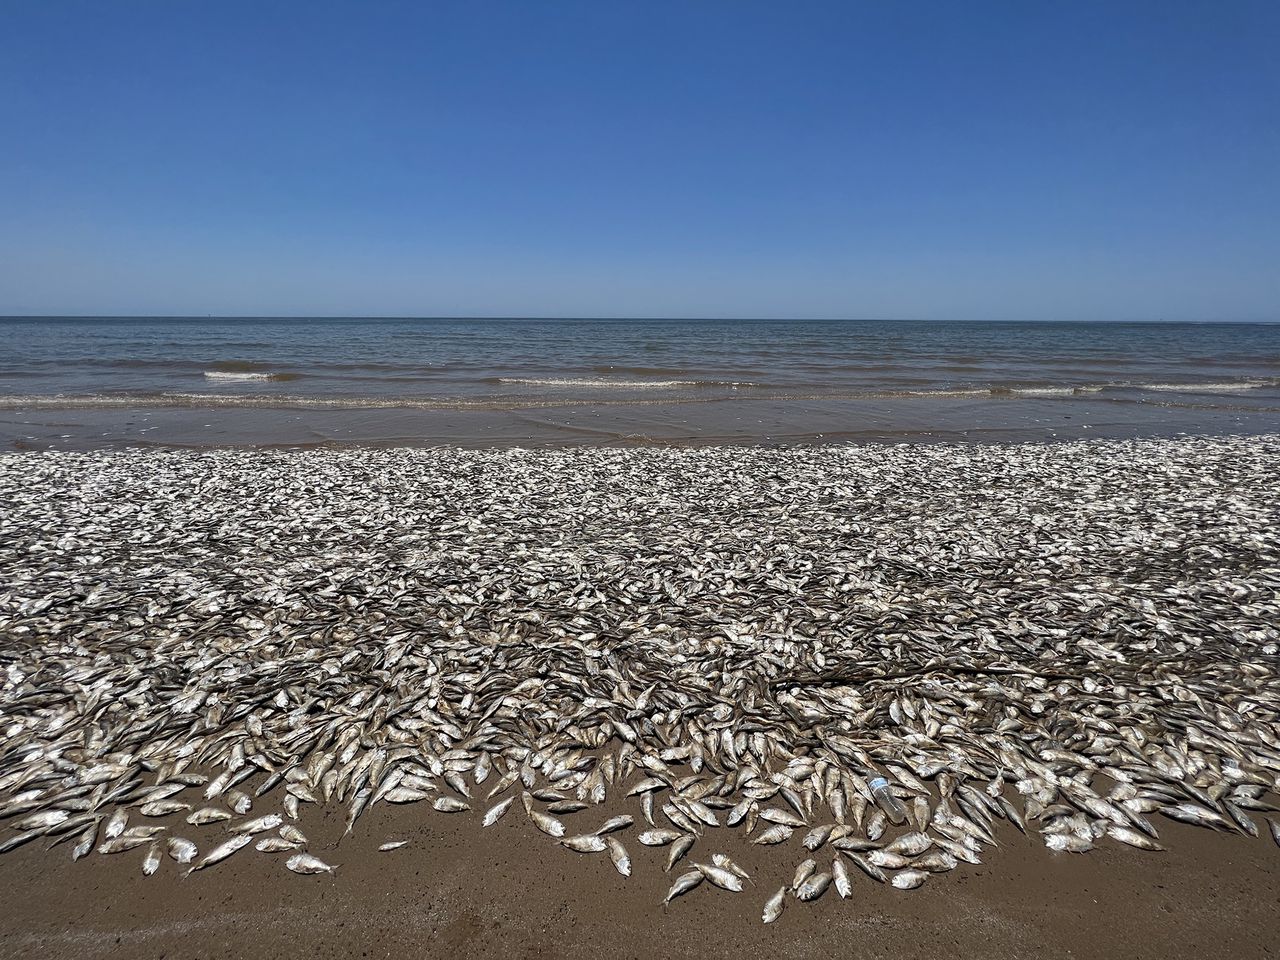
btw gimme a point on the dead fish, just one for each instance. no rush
(870, 869)
(585, 843)
(722, 878)
(41, 820)
(162, 808)
(116, 824)
(936, 861)
(779, 816)
(392, 845)
(805, 870)
(548, 825)
(1067, 842)
(615, 823)
(682, 845)
(306, 863)
(684, 883)
(451, 805)
(151, 862)
(909, 879)
(659, 837)
(497, 811)
(720, 860)
(775, 834)
(222, 851)
(85, 843)
(910, 844)
(618, 854)
(1132, 837)
(258, 824)
(774, 905)
(814, 886)
(274, 845)
(840, 877)
(1199, 816)
(207, 815)
(293, 834)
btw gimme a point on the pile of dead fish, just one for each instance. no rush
(1070, 640)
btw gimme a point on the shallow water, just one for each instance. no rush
(494, 360)
(77, 382)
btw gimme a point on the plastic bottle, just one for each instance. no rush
(886, 801)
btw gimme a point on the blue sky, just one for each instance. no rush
(980, 160)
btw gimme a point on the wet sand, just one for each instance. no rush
(461, 892)
(67, 425)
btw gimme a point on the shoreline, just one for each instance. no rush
(659, 422)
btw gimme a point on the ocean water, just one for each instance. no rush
(78, 382)
(503, 361)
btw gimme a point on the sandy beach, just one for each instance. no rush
(1053, 652)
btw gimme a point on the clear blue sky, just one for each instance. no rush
(945, 160)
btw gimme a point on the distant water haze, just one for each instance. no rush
(380, 361)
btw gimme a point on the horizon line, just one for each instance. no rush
(583, 317)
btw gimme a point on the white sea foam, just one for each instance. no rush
(237, 375)
(1054, 391)
(597, 383)
(1204, 387)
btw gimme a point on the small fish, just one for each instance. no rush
(208, 815)
(678, 849)
(259, 824)
(151, 862)
(909, 879)
(814, 887)
(1132, 837)
(450, 805)
(274, 845)
(840, 877)
(870, 869)
(584, 843)
(392, 845)
(115, 826)
(720, 860)
(936, 861)
(293, 834)
(773, 906)
(1275, 830)
(783, 817)
(1068, 842)
(85, 844)
(888, 860)
(618, 854)
(684, 883)
(547, 824)
(816, 837)
(41, 820)
(222, 851)
(721, 877)
(306, 863)
(162, 808)
(775, 834)
(804, 870)
(497, 811)
(122, 843)
(615, 823)
(910, 844)
(659, 837)
(1190, 813)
